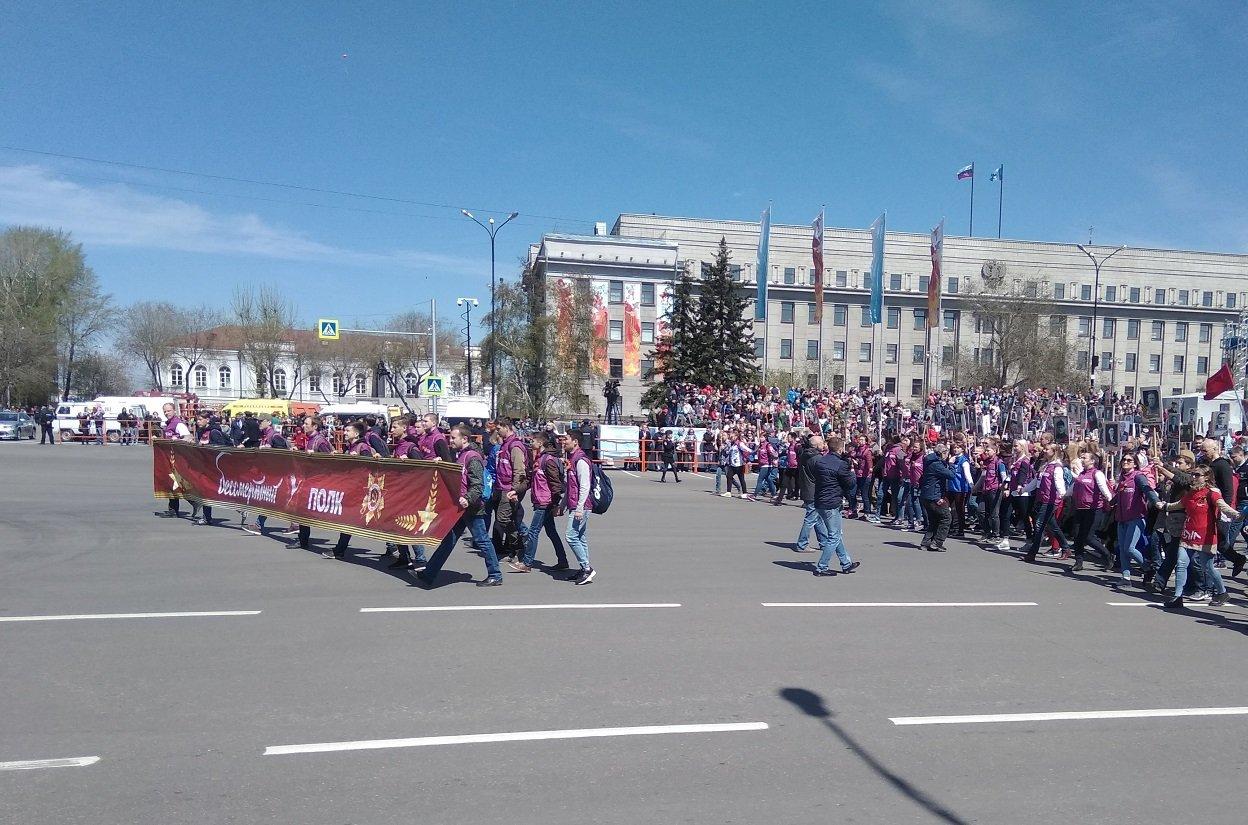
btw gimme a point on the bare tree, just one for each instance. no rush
(100, 373)
(265, 320)
(199, 335)
(148, 330)
(344, 359)
(85, 315)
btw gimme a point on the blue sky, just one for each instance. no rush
(1126, 116)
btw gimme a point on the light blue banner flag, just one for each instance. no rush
(877, 268)
(764, 239)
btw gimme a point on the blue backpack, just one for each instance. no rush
(601, 492)
(487, 477)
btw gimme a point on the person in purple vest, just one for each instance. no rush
(990, 487)
(547, 497)
(403, 446)
(471, 484)
(511, 483)
(317, 443)
(432, 443)
(580, 476)
(1050, 491)
(1132, 497)
(175, 428)
(1090, 497)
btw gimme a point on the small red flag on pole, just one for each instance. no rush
(1218, 383)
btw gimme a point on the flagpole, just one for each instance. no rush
(1000, 198)
(819, 298)
(971, 230)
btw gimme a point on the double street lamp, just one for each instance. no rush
(1096, 303)
(492, 229)
(468, 304)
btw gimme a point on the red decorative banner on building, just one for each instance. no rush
(407, 502)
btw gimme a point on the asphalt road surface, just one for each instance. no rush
(710, 696)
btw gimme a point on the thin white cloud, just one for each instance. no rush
(118, 215)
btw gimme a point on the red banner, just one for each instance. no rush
(406, 502)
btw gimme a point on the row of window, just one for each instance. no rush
(615, 292)
(615, 332)
(339, 383)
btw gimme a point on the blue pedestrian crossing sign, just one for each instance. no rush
(327, 329)
(433, 385)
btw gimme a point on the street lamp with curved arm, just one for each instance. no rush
(1096, 303)
(493, 230)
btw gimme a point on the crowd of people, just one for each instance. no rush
(501, 471)
(985, 466)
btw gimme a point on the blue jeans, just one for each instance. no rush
(831, 520)
(719, 477)
(475, 523)
(811, 519)
(576, 538)
(1129, 534)
(1176, 561)
(1213, 579)
(543, 517)
(1045, 523)
(862, 495)
(766, 481)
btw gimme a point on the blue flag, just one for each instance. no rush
(877, 269)
(764, 237)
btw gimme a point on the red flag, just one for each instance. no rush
(1218, 383)
(933, 283)
(816, 250)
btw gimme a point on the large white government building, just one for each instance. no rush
(1161, 314)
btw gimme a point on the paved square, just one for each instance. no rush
(204, 675)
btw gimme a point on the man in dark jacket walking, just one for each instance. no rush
(806, 487)
(833, 481)
(932, 484)
(472, 469)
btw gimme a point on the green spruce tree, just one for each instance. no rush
(723, 346)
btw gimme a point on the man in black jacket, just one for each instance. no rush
(472, 472)
(1224, 479)
(833, 481)
(810, 450)
(932, 486)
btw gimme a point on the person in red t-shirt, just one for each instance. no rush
(1202, 504)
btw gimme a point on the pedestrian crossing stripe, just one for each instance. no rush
(327, 329)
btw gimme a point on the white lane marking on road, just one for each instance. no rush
(128, 616)
(627, 473)
(506, 607)
(901, 604)
(1061, 716)
(1134, 604)
(35, 764)
(519, 736)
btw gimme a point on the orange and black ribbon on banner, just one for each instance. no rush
(406, 502)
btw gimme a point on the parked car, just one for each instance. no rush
(16, 425)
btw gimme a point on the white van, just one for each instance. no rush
(343, 413)
(66, 424)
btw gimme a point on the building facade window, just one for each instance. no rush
(890, 385)
(615, 291)
(1133, 329)
(647, 295)
(842, 279)
(790, 275)
(616, 367)
(314, 382)
(1180, 331)
(946, 356)
(647, 368)
(1111, 294)
(201, 377)
(1107, 361)
(810, 313)
(924, 282)
(786, 349)
(338, 385)
(176, 375)
(918, 354)
(1230, 300)
(786, 312)
(615, 332)
(1185, 297)
(361, 384)
(1178, 364)
(812, 350)
(647, 332)
(224, 377)
(1135, 294)
(864, 352)
(890, 353)
(839, 311)
(864, 382)
(1108, 328)
(279, 380)
(838, 350)
(920, 319)
(1059, 292)
(951, 320)
(1206, 333)
(1085, 292)
(1081, 359)
(866, 316)
(1130, 362)
(1154, 363)
(759, 345)
(1202, 365)
(951, 285)
(734, 272)
(1085, 326)
(1158, 330)
(894, 282)
(411, 384)
(894, 317)
(1057, 326)
(1159, 297)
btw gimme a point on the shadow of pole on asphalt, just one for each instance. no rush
(812, 704)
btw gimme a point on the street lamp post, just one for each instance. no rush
(468, 304)
(1096, 304)
(492, 229)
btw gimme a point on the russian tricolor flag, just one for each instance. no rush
(967, 171)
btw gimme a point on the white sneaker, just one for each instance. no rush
(1003, 544)
(1202, 596)
(725, 495)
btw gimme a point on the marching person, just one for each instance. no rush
(432, 443)
(1202, 505)
(316, 443)
(472, 470)
(832, 481)
(270, 438)
(354, 443)
(1050, 491)
(511, 482)
(547, 497)
(580, 476)
(1131, 499)
(1223, 477)
(1090, 497)
(208, 434)
(933, 483)
(404, 445)
(175, 428)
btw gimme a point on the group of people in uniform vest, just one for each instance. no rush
(496, 477)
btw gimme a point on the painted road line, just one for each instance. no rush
(901, 604)
(35, 764)
(519, 736)
(628, 473)
(1136, 604)
(445, 608)
(1062, 716)
(73, 617)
